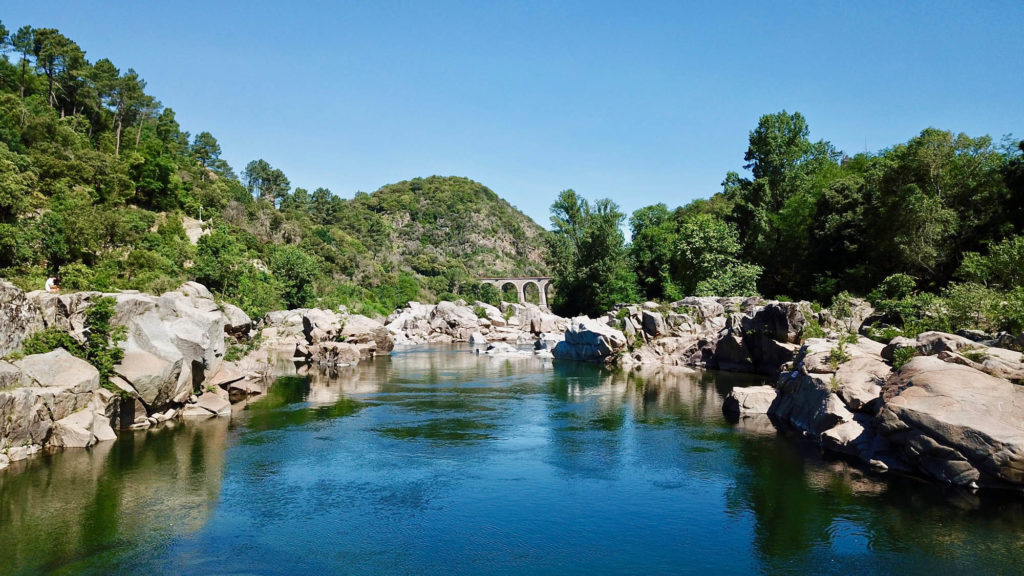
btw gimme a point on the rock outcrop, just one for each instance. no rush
(588, 340)
(955, 423)
(943, 415)
(19, 317)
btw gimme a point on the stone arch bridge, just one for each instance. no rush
(541, 282)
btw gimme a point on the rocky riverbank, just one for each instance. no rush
(942, 406)
(188, 356)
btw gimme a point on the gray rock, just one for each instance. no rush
(749, 400)
(704, 307)
(782, 321)
(59, 369)
(590, 341)
(335, 353)
(931, 343)
(19, 317)
(195, 290)
(236, 321)
(808, 402)
(895, 344)
(954, 423)
(477, 339)
(214, 404)
(74, 431)
(361, 330)
(10, 376)
(548, 341)
(153, 378)
(653, 323)
(194, 411)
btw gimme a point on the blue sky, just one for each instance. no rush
(640, 102)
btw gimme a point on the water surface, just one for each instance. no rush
(440, 461)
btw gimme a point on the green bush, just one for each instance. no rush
(76, 277)
(901, 356)
(50, 339)
(101, 343)
(101, 349)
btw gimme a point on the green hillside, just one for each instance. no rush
(100, 185)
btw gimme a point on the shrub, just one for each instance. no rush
(76, 277)
(50, 339)
(101, 349)
(812, 328)
(901, 356)
(838, 355)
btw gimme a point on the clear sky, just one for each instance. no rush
(640, 102)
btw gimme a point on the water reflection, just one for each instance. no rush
(75, 506)
(442, 460)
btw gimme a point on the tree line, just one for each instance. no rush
(929, 229)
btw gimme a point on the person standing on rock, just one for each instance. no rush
(52, 285)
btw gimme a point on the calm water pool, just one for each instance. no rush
(442, 462)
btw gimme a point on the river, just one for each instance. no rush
(439, 461)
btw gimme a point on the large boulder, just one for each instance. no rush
(236, 321)
(860, 382)
(25, 418)
(59, 369)
(782, 321)
(749, 400)
(731, 354)
(703, 308)
(590, 341)
(155, 379)
(335, 353)
(19, 318)
(809, 402)
(321, 325)
(368, 333)
(955, 423)
(653, 323)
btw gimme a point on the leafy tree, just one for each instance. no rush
(654, 241)
(297, 271)
(24, 42)
(264, 181)
(205, 148)
(706, 259)
(587, 254)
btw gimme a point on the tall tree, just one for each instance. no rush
(587, 253)
(24, 42)
(55, 54)
(205, 149)
(264, 181)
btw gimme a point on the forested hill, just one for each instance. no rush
(98, 182)
(436, 224)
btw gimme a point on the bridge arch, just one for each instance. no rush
(542, 283)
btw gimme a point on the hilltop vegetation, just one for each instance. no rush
(98, 182)
(929, 230)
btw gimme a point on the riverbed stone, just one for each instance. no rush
(214, 404)
(74, 431)
(590, 341)
(749, 400)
